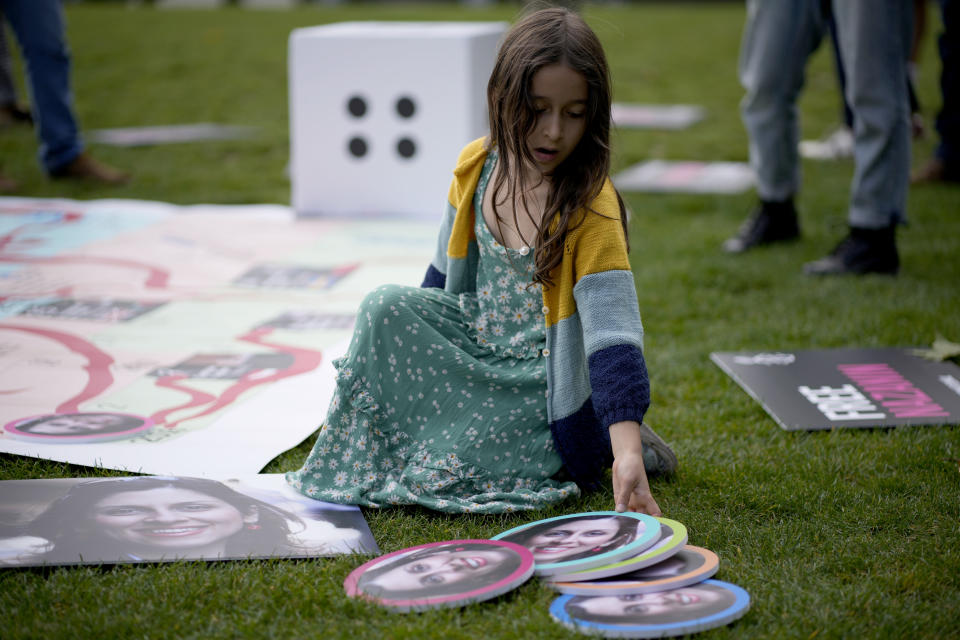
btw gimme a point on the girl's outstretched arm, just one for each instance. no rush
(630, 487)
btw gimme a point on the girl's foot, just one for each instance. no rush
(658, 457)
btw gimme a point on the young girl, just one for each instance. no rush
(511, 376)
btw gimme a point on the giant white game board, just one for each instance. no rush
(203, 335)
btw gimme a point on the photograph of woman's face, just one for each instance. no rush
(571, 538)
(673, 566)
(170, 518)
(439, 570)
(634, 607)
(66, 425)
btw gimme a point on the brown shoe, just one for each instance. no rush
(84, 167)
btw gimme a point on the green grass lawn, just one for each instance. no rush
(835, 534)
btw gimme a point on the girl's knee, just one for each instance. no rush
(383, 301)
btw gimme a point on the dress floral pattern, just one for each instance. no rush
(440, 399)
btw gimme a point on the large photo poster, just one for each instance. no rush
(195, 340)
(843, 388)
(163, 519)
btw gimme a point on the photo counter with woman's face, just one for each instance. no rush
(442, 574)
(675, 605)
(160, 519)
(688, 609)
(436, 572)
(582, 541)
(65, 428)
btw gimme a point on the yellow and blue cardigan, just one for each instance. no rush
(596, 374)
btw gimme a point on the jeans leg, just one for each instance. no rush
(845, 111)
(39, 28)
(778, 38)
(875, 38)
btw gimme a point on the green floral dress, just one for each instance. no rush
(441, 398)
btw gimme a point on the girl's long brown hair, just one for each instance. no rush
(543, 38)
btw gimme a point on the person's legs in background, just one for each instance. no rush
(11, 110)
(838, 143)
(945, 163)
(875, 38)
(39, 28)
(778, 38)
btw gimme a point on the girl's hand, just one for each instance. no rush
(631, 491)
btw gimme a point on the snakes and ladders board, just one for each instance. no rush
(181, 340)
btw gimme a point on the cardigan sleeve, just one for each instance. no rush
(598, 245)
(436, 275)
(613, 342)
(620, 384)
(606, 300)
(456, 231)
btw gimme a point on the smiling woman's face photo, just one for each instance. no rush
(79, 424)
(171, 518)
(663, 607)
(442, 568)
(571, 538)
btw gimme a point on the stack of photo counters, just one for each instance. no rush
(621, 575)
(638, 578)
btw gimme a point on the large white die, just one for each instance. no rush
(380, 110)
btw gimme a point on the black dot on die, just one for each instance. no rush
(406, 107)
(357, 106)
(406, 148)
(358, 147)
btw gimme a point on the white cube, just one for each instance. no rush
(380, 110)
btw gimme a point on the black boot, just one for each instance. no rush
(770, 222)
(862, 251)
